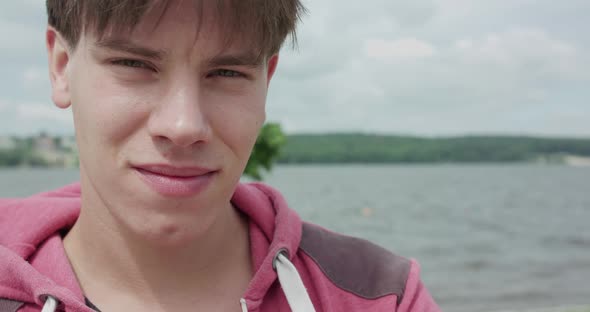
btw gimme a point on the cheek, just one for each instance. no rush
(105, 111)
(237, 120)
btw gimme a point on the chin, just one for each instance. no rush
(173, 234)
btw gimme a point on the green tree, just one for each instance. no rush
(266, 150)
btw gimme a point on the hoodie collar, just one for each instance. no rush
(33, 261)
(274, 228)
(42, 216)
(35, 264)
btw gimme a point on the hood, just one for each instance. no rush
(34, 266)
(275, 234)
(33, 263)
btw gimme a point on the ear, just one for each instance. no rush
(59, 57)
(271, 66)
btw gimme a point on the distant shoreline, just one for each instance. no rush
(362, 148)
(568, 160)
(577, 161)
(351, 148)
(576, 308)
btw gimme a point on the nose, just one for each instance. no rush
(180, 116)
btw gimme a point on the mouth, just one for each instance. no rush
(171, 181)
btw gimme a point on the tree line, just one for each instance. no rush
(364, 148)
(273, 146)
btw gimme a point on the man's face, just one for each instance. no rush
(165, 121)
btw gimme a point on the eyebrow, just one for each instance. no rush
(131, 48)
(246, 58)
(238, 59)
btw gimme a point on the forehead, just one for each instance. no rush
(219, 24)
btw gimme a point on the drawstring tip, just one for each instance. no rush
(243, 304)
(292, 285)
(50, 304)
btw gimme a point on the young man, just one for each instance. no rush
(168, 98)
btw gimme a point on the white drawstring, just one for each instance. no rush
(50, 304)
(289, 278)
(292, 284)
(243, 304)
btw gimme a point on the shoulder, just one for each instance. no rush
(356, 265)
(25, 222)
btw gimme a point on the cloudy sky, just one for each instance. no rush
(420, 67)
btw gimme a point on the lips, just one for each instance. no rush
(173, 181)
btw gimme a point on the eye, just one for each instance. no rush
(227, 73)
(132, 64)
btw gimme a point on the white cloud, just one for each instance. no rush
(519, 47)
(495, 82)
(43, 112)
(405, 14)
(419, 67)
(398, 50)
(21, 40)
(34, 77)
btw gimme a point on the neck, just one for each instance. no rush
(115, 266)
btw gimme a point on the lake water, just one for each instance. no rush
(488, 237)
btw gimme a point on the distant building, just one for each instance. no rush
(56, 151)
(69, 144)
(44, 144)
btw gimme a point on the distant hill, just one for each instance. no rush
(363, 148)
(47, 151)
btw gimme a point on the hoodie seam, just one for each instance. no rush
(269, 195)
(350, 291)
(17, 292)
(20, 245)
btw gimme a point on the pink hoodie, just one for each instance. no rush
(299, 266)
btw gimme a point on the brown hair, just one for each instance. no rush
(266, 22)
